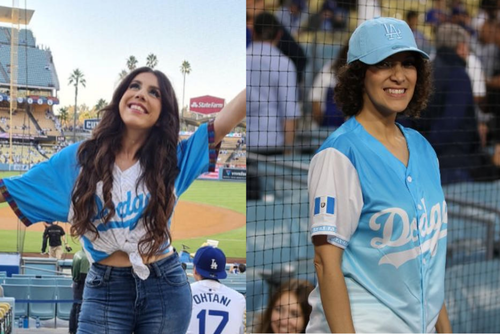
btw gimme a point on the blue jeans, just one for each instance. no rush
(116, 301)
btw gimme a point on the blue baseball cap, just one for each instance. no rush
(210, 262)
(381, 37)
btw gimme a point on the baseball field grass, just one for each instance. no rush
(228, 195)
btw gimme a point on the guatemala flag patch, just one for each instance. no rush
(324, 205)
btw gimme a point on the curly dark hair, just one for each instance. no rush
(348, 93)
(301, 289)
(158, 158)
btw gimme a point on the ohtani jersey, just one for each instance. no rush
(391, 221)
(44, 194)
(217, 309)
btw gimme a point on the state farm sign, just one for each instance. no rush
(206, 104)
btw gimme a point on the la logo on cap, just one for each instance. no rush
(391, 32)
(213, 265)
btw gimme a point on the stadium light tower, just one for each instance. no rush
(15, 17)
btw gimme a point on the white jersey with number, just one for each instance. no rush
(217, 309)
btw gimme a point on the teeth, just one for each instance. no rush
(396, 91)
(136, 107)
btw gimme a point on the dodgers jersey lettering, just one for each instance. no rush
(391, 221)
(44, 194)
(217, 309)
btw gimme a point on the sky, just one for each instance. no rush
(98, 36)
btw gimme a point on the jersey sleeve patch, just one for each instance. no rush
(324, 205)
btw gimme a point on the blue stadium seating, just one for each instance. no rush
(64, 309)
(43, 311)
(40, 68)
(19, 292)
(43, 281)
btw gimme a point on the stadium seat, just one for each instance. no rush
(17, 280)
(64, 293)
(19, 292)
(64, 281)
(40, 310)
(43, 281)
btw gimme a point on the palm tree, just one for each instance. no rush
(100, 105)
(185, 69)
(63, 115)
(76, 78)
(132, 63)
(122, 75)
(151, 61)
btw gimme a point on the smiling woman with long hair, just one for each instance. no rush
(118, 189)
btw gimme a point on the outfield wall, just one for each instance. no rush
(220, 174)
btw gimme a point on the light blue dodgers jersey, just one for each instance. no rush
(44, 194)
(391, 221)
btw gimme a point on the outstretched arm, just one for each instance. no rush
(232, 114)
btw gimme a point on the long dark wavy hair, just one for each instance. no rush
(158, 158)
(301, 289)
(348, 93)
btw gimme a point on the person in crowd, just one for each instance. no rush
(53, 234)
(286, 43)
(288, 310)
(79, 270)
(272, 99)
(422, 42)
(438, 14)
(242, 268)
(216, 307)
(118, 190)
(375, 196)
(293, 15)
(330, 18)
(449, 122)
(324, 110)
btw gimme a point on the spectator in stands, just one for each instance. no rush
(288, 310)
(449, 122)
(330, 18)
(118, 189)
(286, 43)
(209, 267)
(242, 268)
(79, 270)
(324, 110)
(488, 11)
(372, 203)
(438, 14)
(422, 42)
(54, 234)
(272, 105)
(292, 14)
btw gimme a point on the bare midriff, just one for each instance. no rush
(121, 259)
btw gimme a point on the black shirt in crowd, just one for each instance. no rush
(54, 233)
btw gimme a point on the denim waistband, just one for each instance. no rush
(155, 267)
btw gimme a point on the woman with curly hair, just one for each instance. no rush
(118, 190)
(378, 214)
